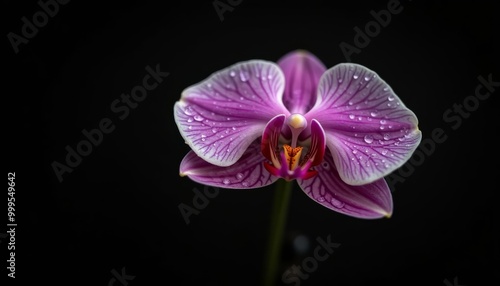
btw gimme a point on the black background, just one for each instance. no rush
(119, 207)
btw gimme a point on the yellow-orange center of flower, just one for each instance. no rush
(292, 156)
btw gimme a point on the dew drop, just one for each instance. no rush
(340, 80)
(391, 97)
(354, 151)
(368, 139)
(239, 176)
(198, 117)
(188, 110)
(325, 165)
(232, 73)
(245, 184)
(214, 130)
(190, 127)
(386, 88)
(321, 199)
(336, 203)
(373, 113)
(386, 136)
(383, 121)
(384, 152)
(350, 102)
(243, 76)
(351, 116)
(190, 119)
(226, 181)
(360, 118)
(367, 78)
(355, 76)
(382, 127)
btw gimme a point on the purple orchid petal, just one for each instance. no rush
(368, 201)
(246, 173)
(302, 73)
(221, 116)
(370, 132)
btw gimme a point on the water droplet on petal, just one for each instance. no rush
(391, 97)
(232, 73)
(354, 151)
(198, 117)
(383, 121)
(226, 181)
(190, 119)
(367, 78)
(384, 152)
(355, 76)
(190, 127)
(234, 128)
(325, 165)
(386, 88)
(340, 80)
(214, 130)
(350, 102)
(245, 184)
(239, 176)
(386, 136)
(368, 138)
(373, 113)
(244, 75)
(336, 203)
(188, 110)
(321, 199)
(351, 116)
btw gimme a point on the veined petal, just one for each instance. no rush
(221, 116)
(368, 201)
(302, 73)
(370, 132)
(246, 173)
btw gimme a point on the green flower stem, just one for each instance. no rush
(277, 226)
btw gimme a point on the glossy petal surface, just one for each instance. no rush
(369, 131)
(247, 173)
(368, 201)
(302, 73)
(221, 116)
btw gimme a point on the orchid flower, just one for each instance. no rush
(336, 131)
